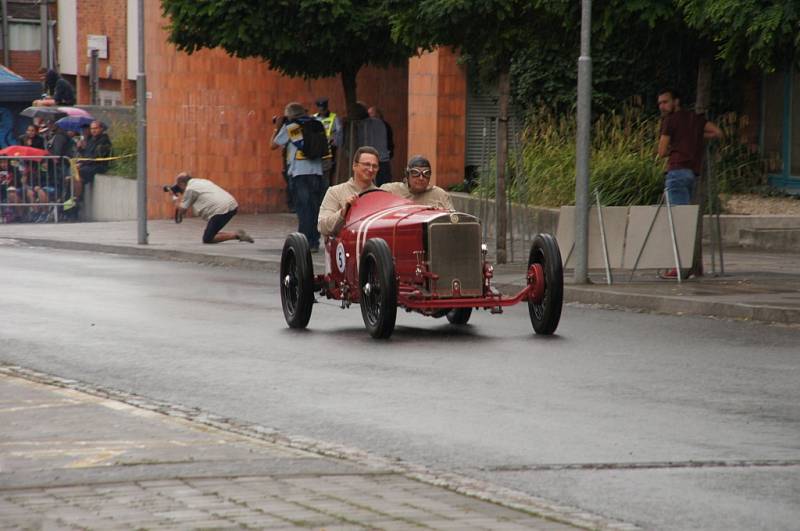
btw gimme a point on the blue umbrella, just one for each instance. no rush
(74, 123)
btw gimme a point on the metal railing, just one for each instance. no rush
(35, 189)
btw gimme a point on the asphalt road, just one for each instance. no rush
(666, 422)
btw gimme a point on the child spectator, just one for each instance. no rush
(31, 138)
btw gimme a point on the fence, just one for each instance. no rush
(35, 189)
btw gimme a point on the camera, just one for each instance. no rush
(175, 190)
(279, 120)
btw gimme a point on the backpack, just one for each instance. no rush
(315, 141)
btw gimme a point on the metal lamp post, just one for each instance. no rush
(583, 147)
(141, 134)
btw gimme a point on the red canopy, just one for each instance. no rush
(23, 151)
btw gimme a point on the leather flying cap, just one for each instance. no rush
(418, 161)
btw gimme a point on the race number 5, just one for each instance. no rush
(340, 257)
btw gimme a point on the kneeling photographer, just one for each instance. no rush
(209, 202)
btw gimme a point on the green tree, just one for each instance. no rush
(303, 38)
(489, 32)
(748, 33)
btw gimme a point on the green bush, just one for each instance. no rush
(123, 141)
(624, 167)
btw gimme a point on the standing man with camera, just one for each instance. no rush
(306, 144)
(209, 202)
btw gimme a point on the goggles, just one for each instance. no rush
(416, 172)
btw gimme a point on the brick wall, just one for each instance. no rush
(210, 114)
(437, 88)
(109, 18)
(451, 142)
(423, 108)
(25, 63)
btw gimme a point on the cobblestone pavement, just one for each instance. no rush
(73, 460)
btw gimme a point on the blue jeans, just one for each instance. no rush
(679, 185)
(307, 198)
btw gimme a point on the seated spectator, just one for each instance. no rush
(417, 185)
(11, 214)
(98, 146)
(31, 138)
(10, 192)
(58, 89)
(60, 144)
(32, 192)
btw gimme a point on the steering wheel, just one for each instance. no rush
(365, 192)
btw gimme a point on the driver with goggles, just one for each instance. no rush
(417, 185)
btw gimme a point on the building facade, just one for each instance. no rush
(211, 114)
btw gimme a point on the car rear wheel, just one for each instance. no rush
(378, 285)
(546, 312)
(459, 316)
(297, 281)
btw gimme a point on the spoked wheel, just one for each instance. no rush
(544, 265)
(459, 316)
(378, 284)
(297, 281)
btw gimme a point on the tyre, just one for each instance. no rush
(378, 285)
(546, 313)
(459, 316)
(297, 281)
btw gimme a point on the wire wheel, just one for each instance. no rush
(297, 281)
(546, 313)
(378, 285)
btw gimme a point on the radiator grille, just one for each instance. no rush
(454, 253)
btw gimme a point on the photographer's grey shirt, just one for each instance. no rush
(207, 199)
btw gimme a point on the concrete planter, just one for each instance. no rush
(529, 218)
(109, 198)
(736, 230)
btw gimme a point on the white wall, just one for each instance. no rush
(133, 39)
(68, 37)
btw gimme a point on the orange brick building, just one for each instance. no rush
(210, 113)
(105, 18)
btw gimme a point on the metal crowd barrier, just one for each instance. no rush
(35, 189)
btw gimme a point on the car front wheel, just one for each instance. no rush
(297, 281)
(546, 312)
(378, 285)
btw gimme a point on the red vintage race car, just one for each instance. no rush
(392, 252)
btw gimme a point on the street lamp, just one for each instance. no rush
(583, 146)
(141, 134)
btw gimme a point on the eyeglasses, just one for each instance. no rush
(414, 172)
(369, 166)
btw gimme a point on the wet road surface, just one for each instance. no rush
(666, 422)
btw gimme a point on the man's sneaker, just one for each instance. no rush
(243, 236)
